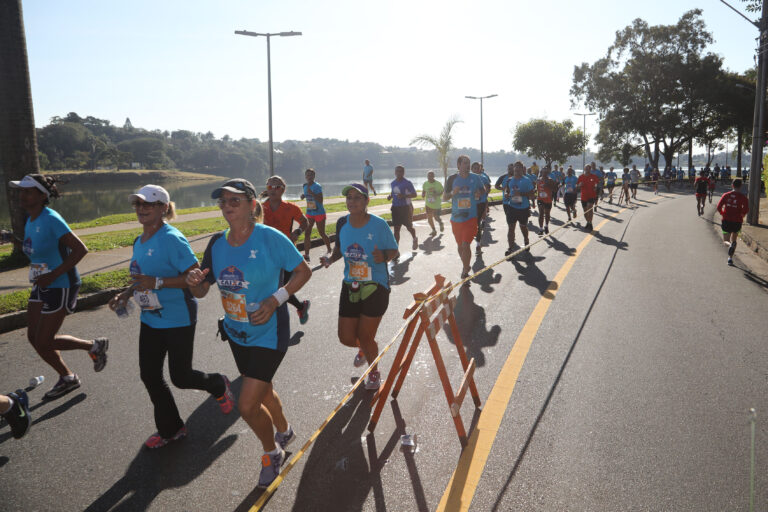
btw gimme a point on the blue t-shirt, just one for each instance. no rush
(357, 244)
(570, 184)
(402, 186)
(166, 254)
(486, 181)
(464, 202)
(556, 175)
(314, 207)
(368, 173)
(43, 247)
(251, 273)
(519, 188)
(599, 174)
(610, 177)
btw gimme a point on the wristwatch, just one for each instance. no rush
(158, 283)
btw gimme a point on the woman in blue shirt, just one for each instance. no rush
(313, 193)
(161, 259)
(366, 243)
(246, 262)
(53, 251)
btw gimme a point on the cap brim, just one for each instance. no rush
(29, 184)
(137, 196)
(350, 187)
(217, 193)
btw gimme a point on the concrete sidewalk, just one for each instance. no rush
(756, 237)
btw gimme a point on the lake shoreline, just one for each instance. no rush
(130, 176)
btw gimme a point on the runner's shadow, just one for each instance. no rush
(296, 338)
(557, 245)
(531, 275)
(3, 460)
(620, 245)
(432, 244)
(60, 409)
(398, 269)
(487, 278)
(749, 276)
(471, 322)
(176, 465)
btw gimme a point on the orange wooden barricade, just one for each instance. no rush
(429, 320)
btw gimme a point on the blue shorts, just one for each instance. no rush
(54, 299)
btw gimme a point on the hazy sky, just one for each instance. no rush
(371, 71)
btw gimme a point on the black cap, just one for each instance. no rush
(236, 186)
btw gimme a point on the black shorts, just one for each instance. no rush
(258, 363)
(587, 204)
(434, 211)
(730, 227)
(54, 299)
(569, 199)
(633, 186)
(374, 305)
(611, 187)
(517, 215)
(402, 216)
(544, 206)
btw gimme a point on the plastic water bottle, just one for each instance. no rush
(124, 309)
(36, 381)
(250, 308)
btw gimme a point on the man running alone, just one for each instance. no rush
(733, 206)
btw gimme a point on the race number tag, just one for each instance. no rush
(517, 199)
(234, 306)
(36, 270)
(311, 204)
(359, 271)
(464, 203)
(569, 189)
(543, 195)
(147, 300)
(431, 198)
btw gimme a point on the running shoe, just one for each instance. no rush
(304, 312)
(373, 381)
(509, 251)
(62, 387)
(433, 233)
(359, 359)
(478, 249)
(546, 229)
(99, 353)
(285, 439)
(730, 261)
(270, 468)
(157, 441)
(18, 415)
(464, 275)
(227, 400)
(588, 227)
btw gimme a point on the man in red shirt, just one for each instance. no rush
(700, 186)
(546, 188)
(588, 184)
(733, 206)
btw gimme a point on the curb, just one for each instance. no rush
(18, 319)
(759, 249)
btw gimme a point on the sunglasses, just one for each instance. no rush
(232, 201)
(142, 204)
(274, 187)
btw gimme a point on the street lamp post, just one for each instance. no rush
(584, 152)
(269, 84)
(481, 98)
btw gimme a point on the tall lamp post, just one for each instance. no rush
(269, 84)
(584, 151)
(481, 98)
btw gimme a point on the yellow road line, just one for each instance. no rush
(461, 488)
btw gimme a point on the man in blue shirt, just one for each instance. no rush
(368, 176)
(402, 208)
(518, 192)
(464, 190)
(482, 203)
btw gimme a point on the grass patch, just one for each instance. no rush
(14, 301)
(10, 261)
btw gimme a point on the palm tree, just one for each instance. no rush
(18, 139)
(442, 144)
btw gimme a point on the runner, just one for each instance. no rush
(482, 203)
(281, 215)
(610, 178)
(402, 207)
(534, 170)
(161, 260)
(368, 245)
(245, 261)
(700, 187)
(711, 188)
(14, 408)
(680, 176)
(464, 190)
(733, 206)
(588, 184)
(597, 173)
(313, 193)
(518, 192)
(691, 174)
(546, 189)
(53, 251)
(432, 191)
(569, 199)
(625, 179)
(634, 180)
(368, 176)
(655, 177)
(557, 176)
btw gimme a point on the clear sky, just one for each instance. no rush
(381, 71)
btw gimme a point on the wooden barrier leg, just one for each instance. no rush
(463, 356)
(381, 397)
(403, 371)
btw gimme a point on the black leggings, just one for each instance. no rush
(292, 300)
(178, 343)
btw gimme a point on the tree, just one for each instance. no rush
(737, 95)
(548, 140)
(651, 84)
(614, 146)
(18, 139)
(443, 144)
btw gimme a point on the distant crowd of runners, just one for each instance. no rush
(257, 269)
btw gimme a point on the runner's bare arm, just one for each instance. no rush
(196, 282)
(77, 250)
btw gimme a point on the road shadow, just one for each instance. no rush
(296, 338)
(557, 245)
(752, 277)
(176, 465)
(432, 244)
(607, 240)
(3, 460)
(399, 268)
(472, 324)
(487, 279)
(530, 274)
(60, 409)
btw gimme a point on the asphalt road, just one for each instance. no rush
(633, 395)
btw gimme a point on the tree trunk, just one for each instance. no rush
(739, 134)
(690, 153)
(18, 139)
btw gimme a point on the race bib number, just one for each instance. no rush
(147, 300)
(543, 195)
(359, 271)
(234, 306)
(36, 270)
(311, 204)
(570, 190)
(517, 199)
(431, 198)
(464, 203)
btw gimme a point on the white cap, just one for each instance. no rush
(152, 194)
(29, 182)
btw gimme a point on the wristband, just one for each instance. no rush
(281, 296)
(158, 283)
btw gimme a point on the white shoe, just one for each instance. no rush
(359, 359)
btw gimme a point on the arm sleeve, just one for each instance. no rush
(288, 257)
(59, 227)
(184, 257)
(385, 239)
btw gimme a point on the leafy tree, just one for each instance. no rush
(548, 140)
(615, 147)
(442, 144)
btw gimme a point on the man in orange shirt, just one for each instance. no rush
(281, 215)
(588, 184)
